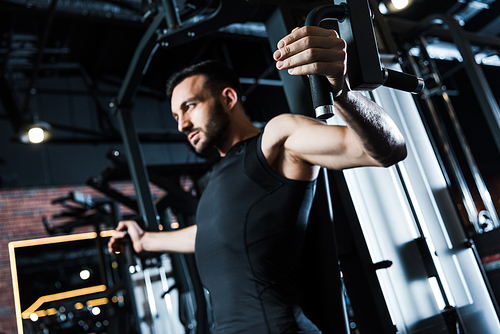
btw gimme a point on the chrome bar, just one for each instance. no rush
(150, 293)
(467, 198)
(168, 299)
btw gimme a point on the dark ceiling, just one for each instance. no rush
(97, 38)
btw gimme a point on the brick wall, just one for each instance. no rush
(21, 212)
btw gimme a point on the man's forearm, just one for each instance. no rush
(375, 130)
(179, 241)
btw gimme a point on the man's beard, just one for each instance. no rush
(215, 130)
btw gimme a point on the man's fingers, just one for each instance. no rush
(118, 235)
(312, 56)
(121, 234)
(115, 246)
(330, 70)
(306, 50)
(309, 43)
(300, 33)
(126, 228)
(123, 225)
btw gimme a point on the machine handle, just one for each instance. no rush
(321, 91)
(402, 81)
(322, 96)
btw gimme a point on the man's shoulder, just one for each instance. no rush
(287, 118)
(279, 128)
(284, 124)
(279, 154)
(277, 131)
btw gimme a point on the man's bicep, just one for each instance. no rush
(330, 146)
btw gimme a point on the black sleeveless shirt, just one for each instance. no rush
(251, 228)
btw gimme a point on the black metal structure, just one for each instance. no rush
(162, 31)
(461, 166)
(365, 71)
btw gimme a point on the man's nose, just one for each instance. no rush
(184, 124)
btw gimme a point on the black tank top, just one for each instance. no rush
(251, 228)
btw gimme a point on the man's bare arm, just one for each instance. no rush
(372, 128)
(179, 241)
(293, 145)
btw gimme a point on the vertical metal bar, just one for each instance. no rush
(359, 273)
(296, 88)
(330, 213)
(148, 284)
(129, 285)
(135, 160)
(104, 266)
(421, 241)
(192, 297)
(168, 299)
(385, 40)
(171, 13)
(140, 61)
(483, 190)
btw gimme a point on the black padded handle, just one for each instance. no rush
(322, 96)
(403, 81)
(321, 91)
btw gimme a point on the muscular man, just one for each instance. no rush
(252, 216)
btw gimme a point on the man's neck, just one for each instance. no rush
(236, 135)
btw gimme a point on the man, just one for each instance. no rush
(252, 217)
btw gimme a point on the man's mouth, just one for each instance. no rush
(193, 136)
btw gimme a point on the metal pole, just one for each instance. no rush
(167, 297)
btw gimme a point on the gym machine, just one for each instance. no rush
(435, 272)
(430, 281)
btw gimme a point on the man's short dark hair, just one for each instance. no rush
(218, 75)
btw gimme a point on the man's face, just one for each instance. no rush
(200, 115)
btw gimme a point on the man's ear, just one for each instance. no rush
(230, 97)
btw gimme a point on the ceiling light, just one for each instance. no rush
(393, 6)
(95, 310)
(36, 133)
(383, 8)
(400, 4)
(85, 274)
